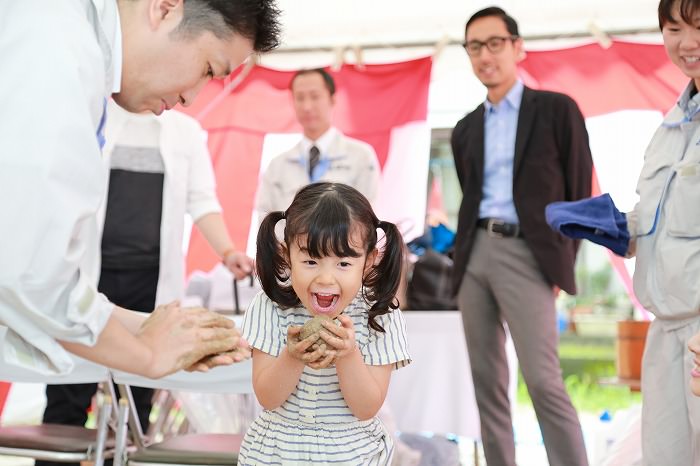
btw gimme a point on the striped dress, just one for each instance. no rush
(314, 426)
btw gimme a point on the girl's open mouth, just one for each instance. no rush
(324, 303)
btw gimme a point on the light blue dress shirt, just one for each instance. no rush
(500, 128)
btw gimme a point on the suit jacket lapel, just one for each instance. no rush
(526, 118)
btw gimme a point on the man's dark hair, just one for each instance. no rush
(511, 24)
(256, 20)
(327, 78)
(686, 8)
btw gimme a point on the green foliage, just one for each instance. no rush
(571, 351)
(600, 291)
(584, 362)
(588, 396)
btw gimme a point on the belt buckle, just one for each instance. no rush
(490, 225)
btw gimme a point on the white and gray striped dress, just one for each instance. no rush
(315, 426)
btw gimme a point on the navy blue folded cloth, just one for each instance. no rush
(595, 219)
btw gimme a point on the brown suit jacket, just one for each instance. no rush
(552, 163)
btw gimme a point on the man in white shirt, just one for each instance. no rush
(149, 55)
(324, 153)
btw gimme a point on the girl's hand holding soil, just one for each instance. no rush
(340, 338)
(304, 350)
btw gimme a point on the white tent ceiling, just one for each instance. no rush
(331, 23)
(327, 32)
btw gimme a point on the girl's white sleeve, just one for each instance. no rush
(262, 327)
(390, 346)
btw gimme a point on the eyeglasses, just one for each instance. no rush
(494, 44)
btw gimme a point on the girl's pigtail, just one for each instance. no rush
(270, 261)
(382, 282)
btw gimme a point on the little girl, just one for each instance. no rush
(320, 403)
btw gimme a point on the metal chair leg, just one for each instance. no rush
(102, 428)
(120, 450)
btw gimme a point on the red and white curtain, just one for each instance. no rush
(383, 105)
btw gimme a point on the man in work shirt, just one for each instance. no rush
(149, 55)
(323, 154)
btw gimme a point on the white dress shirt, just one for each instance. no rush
(52, 175)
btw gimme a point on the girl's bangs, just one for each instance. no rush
(330, 239)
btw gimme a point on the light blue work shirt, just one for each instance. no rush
(500, 128)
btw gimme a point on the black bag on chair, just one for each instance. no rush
(430, 286)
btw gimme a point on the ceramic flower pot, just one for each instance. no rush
(631, 337)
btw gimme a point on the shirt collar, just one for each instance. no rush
(685, 109)
(512, 98)
(689, 105)
(323, 143)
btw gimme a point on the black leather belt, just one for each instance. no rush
(499, 229)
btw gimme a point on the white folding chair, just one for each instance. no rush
(191, 449)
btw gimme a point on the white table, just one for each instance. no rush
(435, 392)
(235, 378)
(26, 399)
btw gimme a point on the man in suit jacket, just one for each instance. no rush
(324, 153)
(518, 151)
